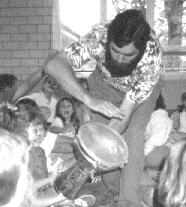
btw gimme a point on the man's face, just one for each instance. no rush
(122, 60)
(124, 55)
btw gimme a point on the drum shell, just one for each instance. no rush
(103, 147)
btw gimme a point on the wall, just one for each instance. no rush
(25, 35)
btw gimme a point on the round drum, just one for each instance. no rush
(96, 148)
(103, 147)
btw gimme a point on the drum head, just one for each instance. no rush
(104, 145)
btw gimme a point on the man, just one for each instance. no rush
(126, 76)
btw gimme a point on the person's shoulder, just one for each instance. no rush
(34, 94)
(50, 135)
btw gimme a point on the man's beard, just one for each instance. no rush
(119, 69)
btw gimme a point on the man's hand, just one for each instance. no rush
(104, 107)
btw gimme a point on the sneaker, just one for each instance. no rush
(96, 179)
(85, 201)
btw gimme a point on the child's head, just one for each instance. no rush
(29, 123)
(65, 109)
(172, 185)
(13, 172)
(49, 85)
(7, 81)
(10, 121)
(160, 103)
(35, 125)
(7, 87)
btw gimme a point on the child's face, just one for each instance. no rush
(49, 85)
(36, 134)
(66, 109)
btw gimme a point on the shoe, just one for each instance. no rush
(96, 179)
(85, 201)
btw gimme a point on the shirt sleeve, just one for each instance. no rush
(57, 123)
(78, 54)
(89, 48)
(147, 74)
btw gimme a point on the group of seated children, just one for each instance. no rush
(47, 147)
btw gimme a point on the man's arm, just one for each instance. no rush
(61, 70)
(128, 107)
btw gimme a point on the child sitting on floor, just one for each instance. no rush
(22, 123)
(66, 121)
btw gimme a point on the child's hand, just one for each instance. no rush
(55, 169)
(68, 128)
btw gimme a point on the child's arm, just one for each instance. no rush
(48, 200)
(56, 130)
(42, 182)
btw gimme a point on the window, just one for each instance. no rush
(169, 23)
(166, 17)
(77, 17)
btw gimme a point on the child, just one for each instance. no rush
(66, 121)
(159, 127)
(13, 174)
(172, 184)
(37, 175)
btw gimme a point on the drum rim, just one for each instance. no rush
(93, 155)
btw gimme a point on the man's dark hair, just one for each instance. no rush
(7, 80)
(127, 27)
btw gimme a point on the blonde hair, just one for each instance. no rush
(13, 171)
(172, 185)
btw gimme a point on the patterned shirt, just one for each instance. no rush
(89, 52)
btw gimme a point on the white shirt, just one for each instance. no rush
(57, 123)
(48, 143)
(182, 127)
(42, 101)
(157, 130)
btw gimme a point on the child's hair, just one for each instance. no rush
(33, 116)
(51, 82)
(17, 121)
(74, 117)
(7, 80)
(172, 184)
(10, 121)
(14, 180)
(160, 103)
(27, 103)
(183, 97)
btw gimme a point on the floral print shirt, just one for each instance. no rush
(90, 50)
